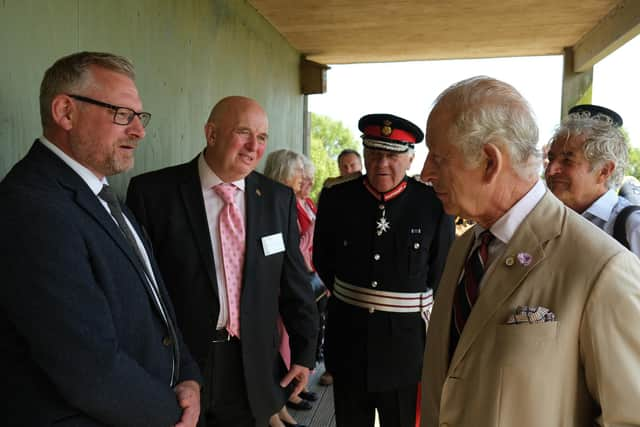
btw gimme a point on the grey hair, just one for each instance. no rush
(72, 74)
(604, 142)
(309, 167)
(488, 110)
(281, 165)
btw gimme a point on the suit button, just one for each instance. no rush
(376, 257)
(374, 284)
(416, 245)
(167, 341)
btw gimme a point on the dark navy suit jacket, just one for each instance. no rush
(82, 342)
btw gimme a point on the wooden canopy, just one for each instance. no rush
(355, 31)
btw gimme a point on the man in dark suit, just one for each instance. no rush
(89, 336)
(380, 245)
(183, 212)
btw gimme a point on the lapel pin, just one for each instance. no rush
(509, 261)
(524, 258)
(258, 192)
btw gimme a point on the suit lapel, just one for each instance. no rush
(191, 193)
(444, 297)
(508, 273)
(86, 200)
(253, 202)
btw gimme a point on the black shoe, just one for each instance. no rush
(308, 395)
(303, 405)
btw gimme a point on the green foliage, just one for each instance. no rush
(633, 168)
(325, 166)
(328, 138)
(334, 135)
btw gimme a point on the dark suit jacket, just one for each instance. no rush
(169, 204)
(82, 343)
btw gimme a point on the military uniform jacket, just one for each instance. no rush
(385, 348)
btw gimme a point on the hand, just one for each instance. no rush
(301, 375)
(188, 394)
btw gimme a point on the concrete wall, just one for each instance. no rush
(188, 54)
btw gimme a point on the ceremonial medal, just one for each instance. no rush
(382, 225)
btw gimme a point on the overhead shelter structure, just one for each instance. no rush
(189, 54)
(362, 31)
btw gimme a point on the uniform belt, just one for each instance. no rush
(221, 335)
(372, 299)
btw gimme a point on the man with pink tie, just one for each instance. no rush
(227, 242)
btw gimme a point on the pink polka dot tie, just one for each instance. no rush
(231, 229)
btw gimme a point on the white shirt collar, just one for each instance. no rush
(603, 206)
(505, 227)
(209, 179)
(94, 183)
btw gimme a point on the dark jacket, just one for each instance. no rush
(170, 205)
(83, 344)
(384, 349)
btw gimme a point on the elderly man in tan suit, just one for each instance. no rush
(535, 322)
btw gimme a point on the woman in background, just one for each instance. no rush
(287, 167)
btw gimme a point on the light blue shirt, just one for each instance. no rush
(604, 211)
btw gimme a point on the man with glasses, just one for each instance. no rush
(89, 333)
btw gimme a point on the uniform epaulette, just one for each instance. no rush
(330, 182)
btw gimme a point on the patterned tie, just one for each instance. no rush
(467, 290)
(231, 229)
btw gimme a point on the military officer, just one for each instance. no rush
(380, 244)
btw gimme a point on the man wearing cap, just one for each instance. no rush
(381, 262)
(586, 160)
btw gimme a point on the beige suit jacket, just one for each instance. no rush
(581, 370)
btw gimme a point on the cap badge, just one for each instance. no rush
(386, 128)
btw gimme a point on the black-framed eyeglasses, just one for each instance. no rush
(121, 115)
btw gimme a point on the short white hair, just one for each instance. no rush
(281, 165)
(488, 110)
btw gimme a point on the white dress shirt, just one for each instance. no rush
(604, 211)
(213, 204)
(507, 225)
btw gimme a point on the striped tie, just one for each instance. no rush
(468, 289)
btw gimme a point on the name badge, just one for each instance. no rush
(272, 244)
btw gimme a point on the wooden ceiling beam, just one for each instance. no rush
(618, 27)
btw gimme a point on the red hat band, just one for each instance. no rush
(382, 132)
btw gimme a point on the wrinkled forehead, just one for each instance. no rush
(567, 143)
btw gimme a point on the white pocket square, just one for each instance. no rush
(531, 314)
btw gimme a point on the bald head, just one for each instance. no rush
(227, 106)
(236, 133)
